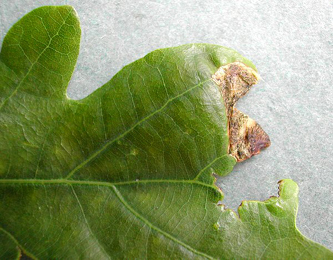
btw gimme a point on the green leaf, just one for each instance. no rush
(126, 172)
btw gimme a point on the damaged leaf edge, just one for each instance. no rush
(246, 137)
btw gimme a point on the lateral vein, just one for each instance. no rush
(106, 145)
(137, 215)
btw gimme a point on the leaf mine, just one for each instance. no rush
(246, 137)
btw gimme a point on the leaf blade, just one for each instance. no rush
(127, 171)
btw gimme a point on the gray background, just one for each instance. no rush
(290, 42)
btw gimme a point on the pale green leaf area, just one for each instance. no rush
(125, 173)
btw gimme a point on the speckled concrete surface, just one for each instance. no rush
(290, 42)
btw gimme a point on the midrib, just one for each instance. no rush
(121, 200)
(99, 183)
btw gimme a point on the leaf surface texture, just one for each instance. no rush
(127, 171)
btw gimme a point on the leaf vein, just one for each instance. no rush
(33, 64)
(137, 215)
(18, 244)
(87, 223)
(107, 144)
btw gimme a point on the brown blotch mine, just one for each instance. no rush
(246, 137)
